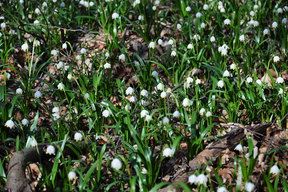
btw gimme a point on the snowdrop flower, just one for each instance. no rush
(167, 152)
(116, 164)
(86, 96)
(133, 99)
(255, 7)
(115, 15)
(274, 170)
(198, 81)
(186, 102)
(83, 51)
(227, 22)
(284, 21)
(276, 59)
(173, 53)
(25, 47)
(189, 80)
(3, 25)
(226, 73)
(140, 17)
(203, 25)
(242, 38)
(249, 187)
(192, 179)
(154, 73)
(202, 111)
(106, 113)
(54, 52)
(201, 180)
(37, 94)
(170, 42)
(44, 5)
(188, 9)
(148, 118)
(274, 25)
(69, 76)
(222, 189)
(239, 148)
(122, 57)
(279, 10)
(24, 122)
(259, 82)
(10, 124)
(129, 91)
(50, 150)
(78, 57)
(189, 46)
(144, 171)
(71, 175)
(279, 80)
(280, 92)
(223, 49)
(196, 37)
(252, 13)
(160, 42)
(107, 66)
(136, 2)
(144, 93)
(36, 43)
(36, 22)
(60, 65)
(64, 46)
(205, 7)
(144, 113)
(152, 45)
(249, 80)
(233, 66)
(212, 39)
(160, 86)
(176, 114)
(78, 136)
(19, 91)
(179, 26)
(37, 11)
(154, 8)
(55, 110)
(198, 15)
(165, 120)
(220, 84)
(163, 94)
(208, 114)
(107, 54)
(265, 31)
(56, 116)
(60, 86)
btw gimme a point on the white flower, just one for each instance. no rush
(222, 189)
(201, 180)
(148, 118)
(56, 116)
(205, 7)
(3, 25)
(160, 42)
(170, 42)
(37, 11)
(280, 10)
(249, 187)
(173, 53)
(55, 110)
(192, 179)
(44, 5)
(163, 94)
(160, 86)
(83, 51)
(186, 102)
(54, 52)
(10, 124)
(78, 57)
(259, 82)
(140, 17)
(107, 54)
(249, 80)
(25, 47)
(78, 136)
(127, 107)
(284, 21)
(252, 13)
(19, 91)
(129, 91)
(136, 2)
(223, 49)
(188, 9)
(106, 113)
(203, 25)
(274, 170)
(157, 2)
(64, 46)
(274, 25)
(179, 26)
(115, 15)
(69, 76)
(24, 122)
(144, 113)
(122, 57)
(37, 94)
(154, 73)
(265, 31)
(60, 65)
(144, 171)
(71, 175)
(212, 39)
(133, 99)
(239, 148)
(144, 93)
(165, 120)
(198, 81)
(36, 22)
(189, 46)
(50, 150)
(116, 164)
(227, 22)
(167, 152)
(107, 66)
(280, 92)
(60, 86)
(198, 15)
(279, 80)
(33, 142)
(36, 43)
(86, 96)
(152, 45)
(242, 38)
(196, 37)
(176, 114)
(208, 114)
(220, 84)
(226, 73)
(202, 111)
(255, 7)
(276, 59)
